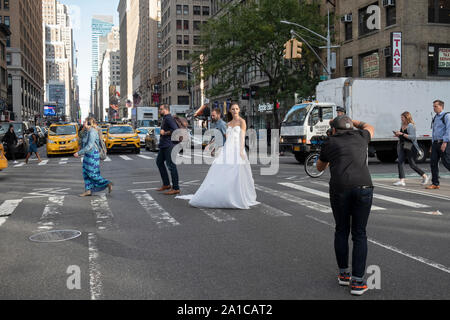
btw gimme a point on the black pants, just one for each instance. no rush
(436, 155)
(351, 209)
(404, 154)
(11, 151)
(165, 156)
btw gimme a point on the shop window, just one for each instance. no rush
(369, 65)
(439, 60)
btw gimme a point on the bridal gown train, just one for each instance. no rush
(229, 183)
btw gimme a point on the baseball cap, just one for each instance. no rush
(342, 123)
(340, 109)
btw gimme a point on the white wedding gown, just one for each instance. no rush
(229, 183)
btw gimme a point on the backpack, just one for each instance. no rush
(442, 119)
(101, 146)
(182, 123)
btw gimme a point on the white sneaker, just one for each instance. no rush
(400, 183)
(426, 180)
(16, 162)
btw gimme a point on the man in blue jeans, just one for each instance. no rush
(351, 194)
(168, 127)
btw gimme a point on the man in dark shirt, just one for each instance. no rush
(168, 127)
(351, 194)
(10, 138)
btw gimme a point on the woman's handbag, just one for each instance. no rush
(101, 146)
(407, 145)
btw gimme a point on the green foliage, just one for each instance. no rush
(251, 34)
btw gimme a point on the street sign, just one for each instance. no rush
(323, 77)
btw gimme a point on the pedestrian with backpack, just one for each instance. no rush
(441, 137)
(168, 127)
(33, 142)
(91, 150)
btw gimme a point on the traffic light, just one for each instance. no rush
(246, 94)
(287, 52)
(296, 49)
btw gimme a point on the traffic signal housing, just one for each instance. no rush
(297, 48)
(287, 52)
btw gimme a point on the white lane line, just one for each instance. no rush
(145, 157)
(95, 276)
(161, 217)
(3, 220)
(318, 193)
(65, 159)
(291, 178)
(126, 158)
(51, 211)
(394, 249)
(146, 182)
(19, 165)
(218, 215)
(297, 200)
(422, 193)
(405, 203)
(273, 212)
(103, 213)
(43, 163)
(8, 207)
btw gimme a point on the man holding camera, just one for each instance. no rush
(351, 194)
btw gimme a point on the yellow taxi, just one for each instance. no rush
(62, 139)
(3, 160)
(122, 138)
(104, 127)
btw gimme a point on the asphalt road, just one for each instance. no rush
(139, 244)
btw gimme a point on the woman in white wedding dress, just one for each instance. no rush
(229, 183)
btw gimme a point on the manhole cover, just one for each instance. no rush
(55, 236)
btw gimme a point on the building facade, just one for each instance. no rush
(25, 59)
(420, 49)
(4, 34)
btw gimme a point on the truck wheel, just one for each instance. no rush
(387, 156)
(300, 157)
(425, 153)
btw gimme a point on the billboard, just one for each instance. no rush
(49, 111)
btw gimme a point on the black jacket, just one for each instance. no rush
(10, 138)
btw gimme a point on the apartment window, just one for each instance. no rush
(363, 17)
(182, 85)
(205, 11)
(179, 24)
(391, 15)
(197, 25)
(182, 70)
(6, 4)
(348, 30)
(196, 40)
(439, 60)
(186, 54)
(178, 9)
(8, 59)
(186, 10)
(186, 39)
(196, 10)
(179, 39)
(439, 11)
(179, 54)
(7, 21)
(186, 24)
(183, 100)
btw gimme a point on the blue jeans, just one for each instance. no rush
(165, 156)
(436, 155)
(351, 209)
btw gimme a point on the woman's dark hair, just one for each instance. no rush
(11, 126)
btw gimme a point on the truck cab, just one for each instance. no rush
(303, 122)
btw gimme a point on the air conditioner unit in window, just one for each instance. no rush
(387, 51)
(388, 3)
(348, 63)
(347, 18)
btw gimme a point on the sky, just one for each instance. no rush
(81, 12)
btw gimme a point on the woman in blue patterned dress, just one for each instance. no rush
(93, 181)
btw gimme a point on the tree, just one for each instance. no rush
(251, 35)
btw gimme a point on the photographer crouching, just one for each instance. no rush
(351, 193)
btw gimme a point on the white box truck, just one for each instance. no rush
(145, 117)
(379, 102)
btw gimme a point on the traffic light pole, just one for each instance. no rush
(327, 68)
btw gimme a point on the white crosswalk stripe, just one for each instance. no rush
(43, 163)
(273, 212)
(218, 215)
(161, 217)
(317, 193)
(145, 157)
(52, 210)
(103, 213)
(19, 165)
(8, 207)
(126, 158)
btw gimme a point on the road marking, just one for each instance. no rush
(108, 159)
(47, 192)
(95, 276)
(405, 203)
(126, 158)
(422, 193)
(394, 249)
(146, 182)
(8, 207)
(102, 212)
(145, 157)
(297, 200)
(218, 215)
(291, 178)
(43, 163)
(431, 213)
(273, 212)
(51, 211)
(19, 165)
(162, 217)
(318, 193)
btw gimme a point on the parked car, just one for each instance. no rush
(3, 161)
(142, 133)
(152, 139)
(21, 130)
(41, 136)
